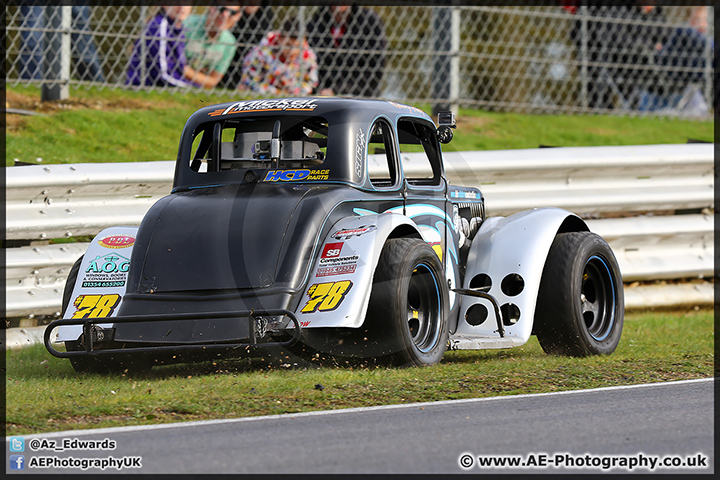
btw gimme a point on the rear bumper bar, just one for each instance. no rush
(251, 341)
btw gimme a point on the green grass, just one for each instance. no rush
(44, 394)
(109, 126)
(499, 131)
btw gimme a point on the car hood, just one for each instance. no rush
(248, 236)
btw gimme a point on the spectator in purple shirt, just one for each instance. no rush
(163, 40)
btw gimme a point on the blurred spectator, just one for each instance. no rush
(84, 53)
(31, 41)
(641, 43)
(621, 43)
(162, 43)
(683, 58)
(210, 47)
(699, 19)
(283, 64)
(350, 43)
(685, 48)
(256, 21)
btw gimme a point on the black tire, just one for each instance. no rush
(581, 306)
(408, 309)
(70, 284)
(88, 364)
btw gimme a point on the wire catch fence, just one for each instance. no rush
(569, 58)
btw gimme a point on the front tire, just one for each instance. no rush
(408, 309)
(581, 306)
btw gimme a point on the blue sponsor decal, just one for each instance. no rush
(286, 175)
(296, 175)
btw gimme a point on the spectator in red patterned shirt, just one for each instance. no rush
(283, 64)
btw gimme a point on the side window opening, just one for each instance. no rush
(200, 155)
(381, 167)
(422, 168)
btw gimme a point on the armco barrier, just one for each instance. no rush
(53, 201)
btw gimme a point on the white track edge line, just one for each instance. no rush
(135, 428)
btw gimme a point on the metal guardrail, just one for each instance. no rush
(55, 201)
(588, 180)
(52, 201)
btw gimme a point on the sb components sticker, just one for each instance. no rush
(296, 175)
(325, 297)
(95, 306)
(108, 270)
(117, 241)
(332, 250)
(331, 263)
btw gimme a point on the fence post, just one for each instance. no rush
(708, 94)
(455, 61)
(56, 57)
(301, 17)
(582, 11)
(143, 46)
(446, 62)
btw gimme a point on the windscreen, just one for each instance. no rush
(279, 143)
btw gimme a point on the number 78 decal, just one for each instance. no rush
(95, 306)
(325, 297)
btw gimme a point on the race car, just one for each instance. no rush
(326, 225)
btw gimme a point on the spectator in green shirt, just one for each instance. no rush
(210, 46)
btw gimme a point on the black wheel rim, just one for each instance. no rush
(423, 308)
(597, 298)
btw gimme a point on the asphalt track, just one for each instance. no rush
(574, 432)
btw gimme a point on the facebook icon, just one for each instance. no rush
(17, 462)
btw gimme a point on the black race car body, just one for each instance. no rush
(328, 224)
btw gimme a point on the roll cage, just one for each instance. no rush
(333, 142)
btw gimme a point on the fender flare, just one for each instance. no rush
(338, 290)
(509, 253)
(108, 276)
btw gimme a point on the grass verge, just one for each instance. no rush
(44, 394)
(109, 126)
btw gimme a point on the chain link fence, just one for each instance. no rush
(628, 60)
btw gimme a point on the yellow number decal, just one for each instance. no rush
(95, 306)
(325, 297)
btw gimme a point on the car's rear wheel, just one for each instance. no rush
(580, 308)
(408, 309)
